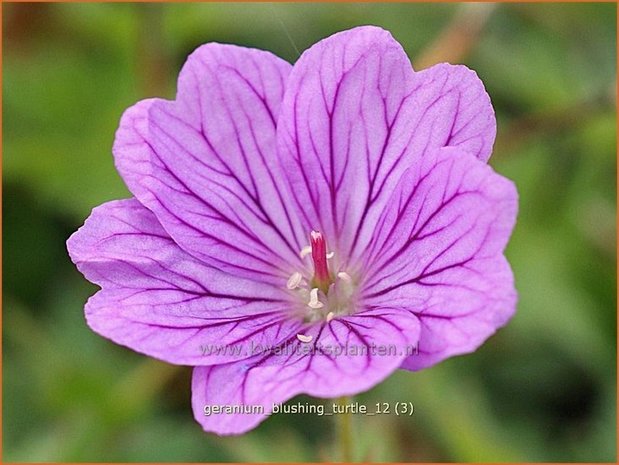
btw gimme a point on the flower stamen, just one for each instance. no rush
(305, 251)
(304, 338)
(294, 281)
(330, 291)
(344, 276)
(314, 302)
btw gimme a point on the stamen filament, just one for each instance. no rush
(344, 276)
(294, 280)
(314, 302)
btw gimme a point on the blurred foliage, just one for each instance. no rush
(542, 389)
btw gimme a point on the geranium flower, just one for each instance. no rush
(293, 225)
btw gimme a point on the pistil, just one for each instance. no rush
(322, 277)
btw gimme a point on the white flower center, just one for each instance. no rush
(320, 301)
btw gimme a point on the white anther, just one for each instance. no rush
(305, 251)
(294, 280)
(330, 254)
(315, 235)
(304, 338)
(330, 316)
(344, 276)
(314, 302)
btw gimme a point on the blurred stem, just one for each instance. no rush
(152, 57)
(344, 430)
(143, 384)
(459, 37)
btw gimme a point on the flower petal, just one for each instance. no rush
(159, 300)
(344, 357)
(205, 163)
(457, 318)
(355, 116)
(438, 251)
(341, 129)
(457, 111)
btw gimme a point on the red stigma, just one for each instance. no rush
(322, 277)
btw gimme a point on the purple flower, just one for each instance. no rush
(298, 229)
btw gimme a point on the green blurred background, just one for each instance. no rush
(542, 389)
